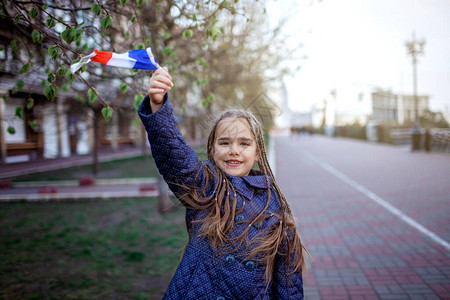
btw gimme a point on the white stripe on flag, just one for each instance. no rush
(121, 60)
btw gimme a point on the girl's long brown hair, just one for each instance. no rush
(282, 239)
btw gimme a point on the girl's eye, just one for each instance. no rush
(223, 143)
(245, 144)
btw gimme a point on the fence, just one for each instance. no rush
(435, 139)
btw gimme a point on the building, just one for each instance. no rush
(397, 109)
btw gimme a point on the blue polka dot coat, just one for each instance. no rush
(204, 272)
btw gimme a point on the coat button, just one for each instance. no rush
(229, 260)
(250, 265)
(220, 298)
(258, 225)
(239, 218)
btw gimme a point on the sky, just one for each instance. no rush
(362, 43)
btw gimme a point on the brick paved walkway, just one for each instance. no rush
(360, 249)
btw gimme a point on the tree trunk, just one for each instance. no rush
(95, 144)
(163, 198)
(59, 125)
(143, 142)
(3, 152)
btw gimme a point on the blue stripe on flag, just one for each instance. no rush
(142, 60)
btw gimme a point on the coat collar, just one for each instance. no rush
(247, 184)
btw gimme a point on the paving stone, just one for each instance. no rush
(329, 250)
(442, 290)
(362, 240)
(341, 277)
(408, 248)
(311, 293)
(379, 261)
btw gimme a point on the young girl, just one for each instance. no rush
(243, 242)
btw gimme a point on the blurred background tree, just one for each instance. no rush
(222, 47)
(220, 53)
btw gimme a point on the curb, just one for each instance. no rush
(132, 188)
(98, 182)
(60, 197)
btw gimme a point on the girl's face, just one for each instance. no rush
(235, 149)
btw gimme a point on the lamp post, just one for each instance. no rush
(415, 48)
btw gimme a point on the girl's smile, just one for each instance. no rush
(235, 147)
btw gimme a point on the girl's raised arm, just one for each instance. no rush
(175, 159)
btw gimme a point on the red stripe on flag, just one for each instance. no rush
(102, 57)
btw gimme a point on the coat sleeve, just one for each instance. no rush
(286, 285)
(175, 159)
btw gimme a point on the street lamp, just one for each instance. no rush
(415, 48)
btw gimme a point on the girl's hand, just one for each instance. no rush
(158, 85)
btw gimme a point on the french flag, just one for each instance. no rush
(135, 59)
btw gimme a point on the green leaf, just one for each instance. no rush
(51, 77)
(106, 22)
(168, 51)
(140, 46)
(17, 18)
(233, 10)
(92, 93)
(19, 112)
(211, 97)
(133, 19)
(107, 113)
(136, 122)
(14, 45)
(25, 68)
(61, 71)
(53, 51)
(139, 2)
(123, 2)
(138, 98)
(50, 22)
(68, 34)
(33, 12)
(78, 33)
(188, 33)
(81, 98)
(96, 8)
(33, 124)
(70, 76)
(123, 87)
(37, 36)
(11, 130)
(30, 103)
(20, 84)
(50, 91)
(201, 61)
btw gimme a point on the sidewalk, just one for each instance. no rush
(375, 218)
